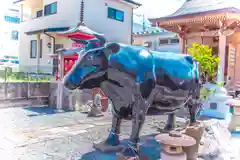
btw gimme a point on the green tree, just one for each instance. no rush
(208, 62)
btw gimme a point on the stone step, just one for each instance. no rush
(18, 102)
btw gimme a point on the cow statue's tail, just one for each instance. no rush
(194, 105)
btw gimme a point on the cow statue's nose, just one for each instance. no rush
(69, 85)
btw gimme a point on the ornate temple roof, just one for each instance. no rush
(201, 15)
(194, 7)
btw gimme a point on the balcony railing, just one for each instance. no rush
(51, 21)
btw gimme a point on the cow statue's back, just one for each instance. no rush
(134, 79)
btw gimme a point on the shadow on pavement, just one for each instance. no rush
(149, 147)
(45, 110)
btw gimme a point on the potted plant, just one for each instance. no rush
(213, 94)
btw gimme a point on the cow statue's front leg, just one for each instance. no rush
(139, 113)
(113, 137)
(112, 142)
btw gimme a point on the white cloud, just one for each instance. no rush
(158, 8)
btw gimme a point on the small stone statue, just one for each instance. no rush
(96, 106)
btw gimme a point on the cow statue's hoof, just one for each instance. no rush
(112, 144)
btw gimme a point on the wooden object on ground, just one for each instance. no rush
(172, 145)
(196, 131)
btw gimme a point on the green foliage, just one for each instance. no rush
(208, 62)
(23, 77)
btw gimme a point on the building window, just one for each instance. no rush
(115, 14)
(41, 46)
(58, 46)
(174, 41)
(14, 35)
(33, 49)
(163, 41)
(148, 44)
(12, 19)
(39, 13)
(50, 9)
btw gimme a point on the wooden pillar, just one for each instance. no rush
(60, 84)
(221, 54)
(182, 40)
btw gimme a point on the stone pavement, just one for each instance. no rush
(29, 135)
(42, 134)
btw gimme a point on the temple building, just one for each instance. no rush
(210, 22)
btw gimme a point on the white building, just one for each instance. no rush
(157, 39)
(9, 29)
(113, 18)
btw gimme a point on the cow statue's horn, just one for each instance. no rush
(100, 38)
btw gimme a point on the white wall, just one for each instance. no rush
(96, 18)
(68, 14)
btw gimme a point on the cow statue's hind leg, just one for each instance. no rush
(171, 122)
(138, 118)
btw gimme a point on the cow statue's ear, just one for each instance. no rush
(112, 47)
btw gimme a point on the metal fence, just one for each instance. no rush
(17, 84)
(27, 75)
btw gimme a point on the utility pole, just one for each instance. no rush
(144, 27)
(143, 20)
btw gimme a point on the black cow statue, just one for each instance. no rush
(134, 79)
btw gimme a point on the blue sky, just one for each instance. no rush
(158, 8)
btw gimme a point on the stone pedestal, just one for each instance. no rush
(103, 147)
(196, 131)
(120, 156)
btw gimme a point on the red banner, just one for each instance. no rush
(77, 45)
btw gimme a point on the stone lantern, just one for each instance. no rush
(234, 125)
(172, 145)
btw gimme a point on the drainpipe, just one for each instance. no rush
(132, 27)
(54, 40)
(21, 12)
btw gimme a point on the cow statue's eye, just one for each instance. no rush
(90, 57)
